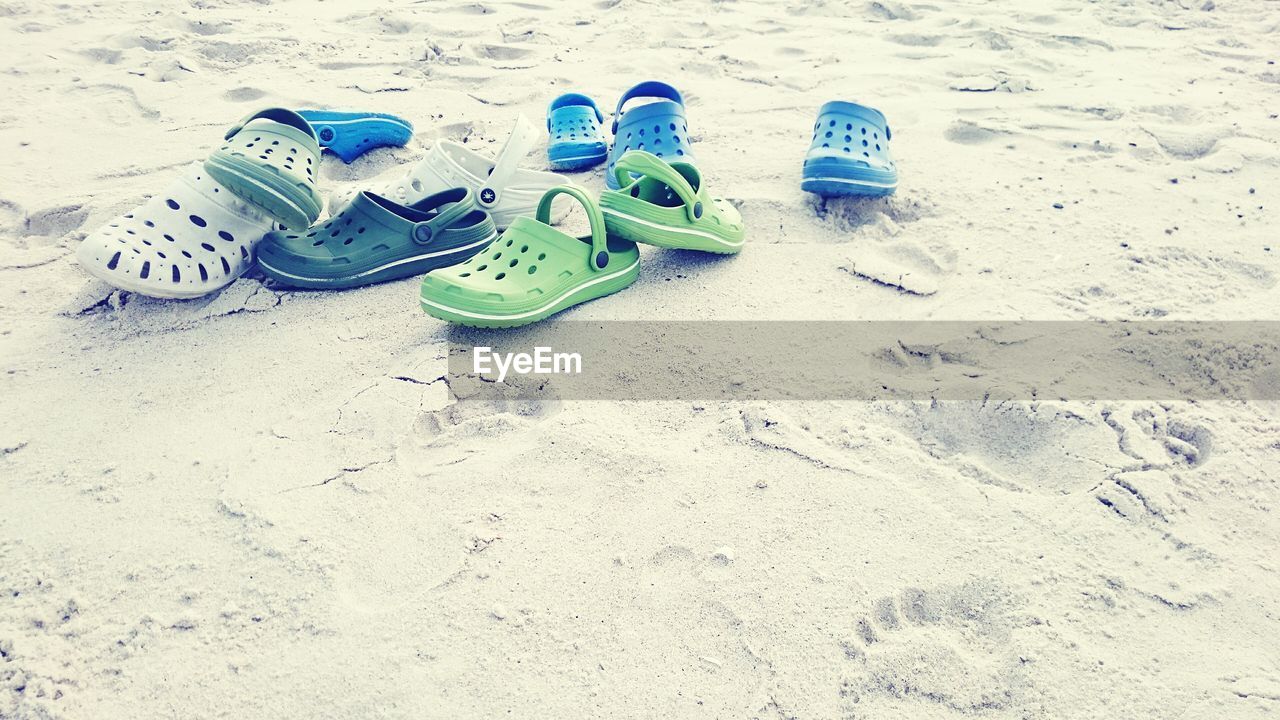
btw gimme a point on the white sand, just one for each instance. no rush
(264, 504)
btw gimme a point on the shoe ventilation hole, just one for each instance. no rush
(533, 269)
(204, 274)
(208, 247)
(514, 262)
(481, 268)
(671, 134)
(115, 260)
(524, 248)
(177, 276)
(499, 276)
(465, 274)
(226, 236)
(173, 204)
(542, 256)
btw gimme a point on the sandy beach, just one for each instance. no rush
(274, 503)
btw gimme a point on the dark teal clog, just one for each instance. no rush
(373, 239)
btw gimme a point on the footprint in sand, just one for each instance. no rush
(1162, 446)
(1157, 438)
(914, 263)
(231, 54)
(676, 594)
(484, 418)
(501, 52)
(56, 221)
(951, 648)
(1023, 447)
(243, 94)
(880, 249)
(965, 132)
(771, 428)
(1203, 280)
(916, 40)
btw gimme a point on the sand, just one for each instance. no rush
(268, 504)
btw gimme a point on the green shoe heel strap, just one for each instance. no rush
(648, 165)
(599, 239)
(284, 116)
(668, 205)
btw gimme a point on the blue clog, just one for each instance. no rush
(352, 134)
(849, 154)
(577, 139)
(658, 126)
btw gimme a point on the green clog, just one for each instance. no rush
(532, 271)
(270, 160)
(668, 205)
(373, 240)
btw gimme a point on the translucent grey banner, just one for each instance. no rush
(727, 361)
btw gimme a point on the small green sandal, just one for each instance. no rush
(532, 271)
(373, 239)
(668, 206)
(270, 160)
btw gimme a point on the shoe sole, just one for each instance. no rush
(596, 288)
(265, 189)
(667, 236)
(841, 187)
(396, 270)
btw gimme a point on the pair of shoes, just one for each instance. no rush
(849, 154)
(655, 122)
(198, 235)
(533, 271)
(445, 209)
(500, 185)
